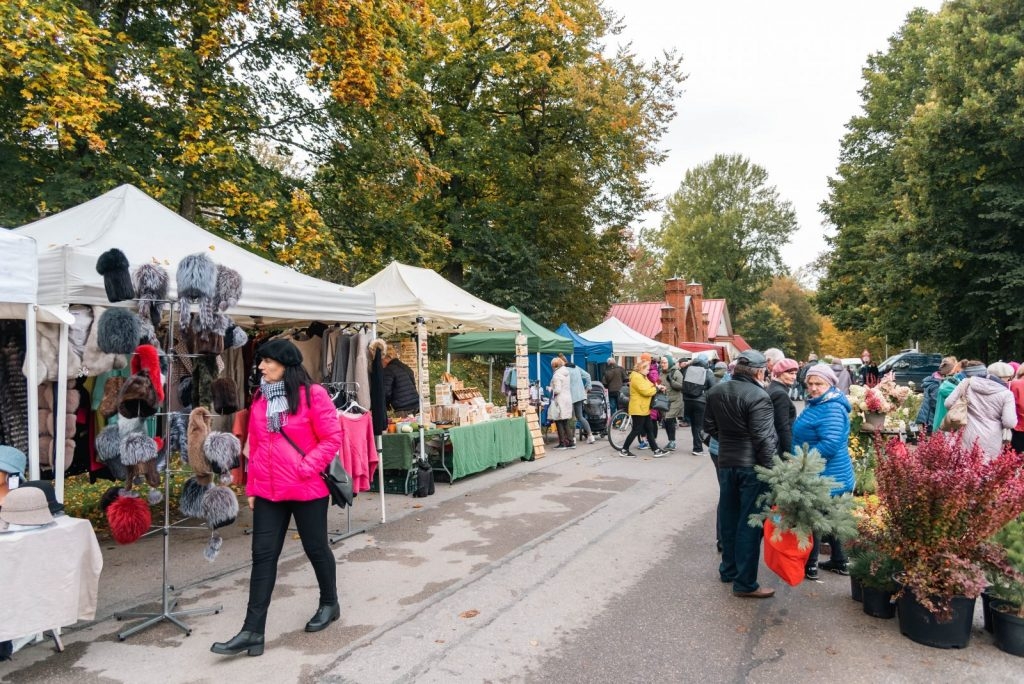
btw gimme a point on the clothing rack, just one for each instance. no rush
(344, 396)
(168, 602)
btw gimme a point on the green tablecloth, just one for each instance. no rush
(485, 445)
(398, 448)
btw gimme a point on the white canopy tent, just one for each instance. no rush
(19, 280)
(628, 342)
(148, 232)
(405, 293)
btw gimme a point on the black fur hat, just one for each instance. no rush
(235, 337)
(108, 497)
(191, 501)
(138, 398)
(185, 391)
(225, 396)
(151, 283)
(137, 447)
(222, 450)
(118, 331)
(220, 507)
(113, 266)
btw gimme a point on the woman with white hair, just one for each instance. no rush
(990, 405)
(560, 409)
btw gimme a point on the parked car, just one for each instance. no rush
(909, 366)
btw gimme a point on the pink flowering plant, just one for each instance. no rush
(941, 504)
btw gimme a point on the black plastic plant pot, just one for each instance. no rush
(856, 589)
(986, 610)
(1007, 628)
(878, 603)
(918, 624)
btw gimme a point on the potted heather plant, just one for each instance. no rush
(942, 503)
(1007, 590)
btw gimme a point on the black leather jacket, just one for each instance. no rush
(741, 417)
(785, 414)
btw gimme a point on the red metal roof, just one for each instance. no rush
(644, 317)
(740, 343)
(713, 309)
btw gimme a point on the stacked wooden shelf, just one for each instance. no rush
(533, 422)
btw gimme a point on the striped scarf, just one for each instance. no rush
(277, 404)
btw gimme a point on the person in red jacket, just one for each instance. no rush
(293, 434)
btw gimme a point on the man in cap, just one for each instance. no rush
(613, 378)
(741, 417)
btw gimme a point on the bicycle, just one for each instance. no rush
(619, 428)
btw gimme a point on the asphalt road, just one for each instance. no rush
(579, 567)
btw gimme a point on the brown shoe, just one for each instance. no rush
(760, 592)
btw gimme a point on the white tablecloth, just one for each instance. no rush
(49, 577)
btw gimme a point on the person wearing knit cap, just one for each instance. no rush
(930, 394)
(783, 377)
(293, 435)
(990, 406)
(824, 426)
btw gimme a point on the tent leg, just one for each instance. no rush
(59, 413)
(32, 390)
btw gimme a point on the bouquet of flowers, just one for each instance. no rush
(887, 398)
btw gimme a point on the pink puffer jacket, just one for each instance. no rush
(276, 470)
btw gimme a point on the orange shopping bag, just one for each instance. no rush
(784, 557)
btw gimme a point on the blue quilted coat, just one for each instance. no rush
(825, 425)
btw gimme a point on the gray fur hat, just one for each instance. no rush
(118, 331)
(178, 435)
(137, 447)
(235, 337)
(191, 500)
(117, 281)
(196, 277)
(220, 507)
(108, 444)
(229, 287)
(222, 450)
(151, 283)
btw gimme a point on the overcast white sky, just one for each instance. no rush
(773, 81)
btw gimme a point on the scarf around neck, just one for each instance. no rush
(277, 404)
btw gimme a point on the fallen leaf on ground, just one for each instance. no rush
(469, 613)
(742, 629)
(534, 642)
(438, 641)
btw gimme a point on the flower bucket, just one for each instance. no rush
(875, 420)
(918, 624)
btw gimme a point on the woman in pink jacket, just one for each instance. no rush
(293, 435)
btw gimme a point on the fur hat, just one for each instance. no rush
(117, 281)
(220, 507)
(376, 344)
(138, 398)
(235, 337)
(196, 277)
(185, 391)
(190, 503)
(178, 433)
(109, 497)
(151, 283)
(137, 447)
(225, 396)
(129, 518)
(111, 391)
(198, 430)
(118, 331)
(108, 444)
(147, 360)
(229, 287)
(222, 450)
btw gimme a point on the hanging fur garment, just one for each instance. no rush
(198, 429)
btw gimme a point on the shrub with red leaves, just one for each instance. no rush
(943, 502)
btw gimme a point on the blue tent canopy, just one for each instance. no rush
(586, 354)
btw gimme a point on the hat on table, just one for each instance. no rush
(26, 506)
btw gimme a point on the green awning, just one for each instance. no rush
(538, 339)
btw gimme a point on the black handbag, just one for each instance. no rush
(660, 402)
(337, 479)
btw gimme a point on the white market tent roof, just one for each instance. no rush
(405, 293)
(148, 232)
(628, 342)
(19, 280)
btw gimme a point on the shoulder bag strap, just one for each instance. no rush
(290, 441)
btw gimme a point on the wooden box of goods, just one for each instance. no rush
(444, 415)
(449, 379)
(443, 394)
(497, 412)
(466, 394)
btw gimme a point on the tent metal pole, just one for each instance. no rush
(32, 390)
(379, 444)
(490, 379)
(448, 365)
(60, 413)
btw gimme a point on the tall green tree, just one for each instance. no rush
(725, 227)
(795, 303)
(766, 326)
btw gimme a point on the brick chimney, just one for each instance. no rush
(673, 324)
(696, 322)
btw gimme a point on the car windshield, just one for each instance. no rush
(889, 361)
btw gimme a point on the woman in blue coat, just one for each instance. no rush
(824, 425)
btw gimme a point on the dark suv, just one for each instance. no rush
(910, 366)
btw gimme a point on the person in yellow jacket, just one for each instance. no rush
(641, 391)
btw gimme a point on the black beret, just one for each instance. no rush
(282, 351)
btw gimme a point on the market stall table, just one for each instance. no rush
(56, 571)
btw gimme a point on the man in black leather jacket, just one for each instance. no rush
(740, 416)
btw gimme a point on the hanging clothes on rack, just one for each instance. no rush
(358, 451)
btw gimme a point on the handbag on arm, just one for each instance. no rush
(337, 479)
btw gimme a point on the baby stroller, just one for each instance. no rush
(595, 409)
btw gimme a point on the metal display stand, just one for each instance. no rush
(335, 536)
(168, 601)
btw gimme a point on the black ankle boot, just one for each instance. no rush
(325, 615)
(243, 641)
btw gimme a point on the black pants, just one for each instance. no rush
(1017, 441)
(694, 412)
(642, 425)
(838, 554)
(269, 526)
(670, 428)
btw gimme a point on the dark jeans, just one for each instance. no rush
(1017, 441)
(642, 425)
(269, 526)
(577, 409)
(670, 428)
(838, 555)
(718, 512)
(565, 437)
(694, 413)
(613, 402)
(741, 543)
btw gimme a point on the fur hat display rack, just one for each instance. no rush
(205, 292)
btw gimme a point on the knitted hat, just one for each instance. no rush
(128, 518)
(12, 460)
(147, 359)
(225, 396)
(151, 283)
(117, 281)
(784, 366)
(118, 331)
(26, 506)
(824, 372)
(282, 351)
